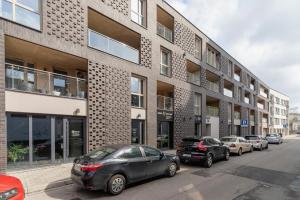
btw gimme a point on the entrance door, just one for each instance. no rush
(197, 129)
(163, 137)
(137, 131)
(75, 137)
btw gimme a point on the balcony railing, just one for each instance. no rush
(37, 81)
(164, 103)
(111, 46)
(228, 92)
(164, 32)
(261, 106)
(247, 100)
(262, 93)
(212, 111)
(252, 87)
(193, 78)
(213, 86)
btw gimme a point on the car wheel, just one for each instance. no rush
(251, 149)
(240, 152)
(116, 184)
(209, 160)
(172, 169)
(227, 155)
(260, 148)
(267, 146)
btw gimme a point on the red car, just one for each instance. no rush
(11, 188)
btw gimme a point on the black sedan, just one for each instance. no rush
(111, 168)
(204, 149)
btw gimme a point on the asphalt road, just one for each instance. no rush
(273, 174)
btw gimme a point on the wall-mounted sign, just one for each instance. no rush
(198, 119)
(244, 123)
(207, 120)
(75, 133)
(163, 115)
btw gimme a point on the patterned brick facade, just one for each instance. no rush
(109, 105)
(66, 20)
(184, 37)
(184, 121)
(146, 52)
(223, 118)
(179, 67)
(122, 6)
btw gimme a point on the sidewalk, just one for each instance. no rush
(48, 177)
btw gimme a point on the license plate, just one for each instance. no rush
(77, 167)
(186, 155)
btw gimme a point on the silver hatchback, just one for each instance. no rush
(274, 138)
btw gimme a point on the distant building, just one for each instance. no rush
(294, 123)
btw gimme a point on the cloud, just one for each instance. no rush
(262, 35)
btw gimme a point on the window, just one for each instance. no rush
(151, 152)
(197, 104)
(198, 47)
(133, 152)
(137, 92)
(138, 11)
(165, 64)
(26, 12)
(230, 68)
(213, 57)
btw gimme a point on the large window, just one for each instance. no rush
(138, 11)
(17, 138)
(26, 12)
(165, 64)
(197, 104)
(137, 92)
(213, 57)
(198, 47)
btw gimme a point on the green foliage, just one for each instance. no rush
(16, 152)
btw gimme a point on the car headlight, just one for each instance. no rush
(8, 194)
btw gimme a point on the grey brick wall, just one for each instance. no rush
(223, 118)
(179, 67)
(146, 52)
(109, 105)
(122, 6)
(184, 37)
(184, 119)
(3, 143)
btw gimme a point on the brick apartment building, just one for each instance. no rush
(76, 75)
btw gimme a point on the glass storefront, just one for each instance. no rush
(137, 131)
(37, 139)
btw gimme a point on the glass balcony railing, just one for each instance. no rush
(228, 92)
(193, 78)
(164, 103)
(212, 111)
(164, 32)
(106, 44)
(252, 87)
(262, 93)
(213, 86)
(42, 82)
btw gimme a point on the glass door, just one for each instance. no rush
(163, 137)
(137, 131)
(75, 137)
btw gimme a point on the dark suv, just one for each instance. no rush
(204, 149)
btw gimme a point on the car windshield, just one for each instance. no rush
(228, 139)
(101, 153)
(251, 137)
(272, 135)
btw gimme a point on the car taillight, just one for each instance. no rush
(201, 147)
(91, 167)
(232, 145)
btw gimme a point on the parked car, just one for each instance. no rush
(258, 142)
(111, 168)
(11, 188)
(204, 149)
(237, 145)
(274, 138)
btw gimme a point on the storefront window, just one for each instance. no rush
(137, 131)
(17, 138)
(41, 134)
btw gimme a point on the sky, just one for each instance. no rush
(264, 36)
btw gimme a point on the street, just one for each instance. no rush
(273, 174)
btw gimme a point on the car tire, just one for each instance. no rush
(260, 148)
(227, 155)
(251, 149)
(172, 169)
(240, 152)
(267, 146)
(116, 184)
(208, 161)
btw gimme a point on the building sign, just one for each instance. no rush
(207, 120)
(163, 115)
(75, 133)
(198, 119)
(244, 123)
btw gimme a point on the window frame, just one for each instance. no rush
(15, 4)
(199, 49)
(141, 95)
(169, 60)
(141, 13)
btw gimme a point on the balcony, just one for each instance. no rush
(164, 103)
(108, 45)
(193, 73)
(262, 93)
(212, 111)
(213, 86)
(32, 80)
(247, 100)
(237, 77)
(228, 92)
(252, 87)
(164, 32)
(260, 106)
